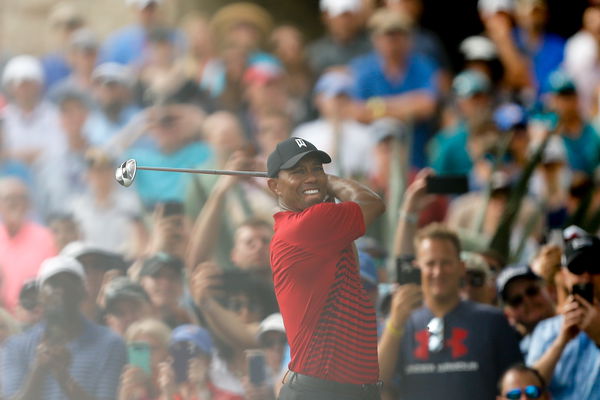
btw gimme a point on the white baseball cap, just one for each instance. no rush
(22, 68)
(478, 48)
(273, 322)
(490, 7)
(339, 7)
(55, 265)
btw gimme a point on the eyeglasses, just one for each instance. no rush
(516, 301)
(531, 392)
(435, 327)
(236, 305)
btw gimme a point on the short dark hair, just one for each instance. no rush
(520, 367)
(440, 232)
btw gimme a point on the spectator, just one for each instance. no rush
(272, 339)
(335, 132)
(187, 376)
(82, 56)
(525, 300)
(580, 138)
(544, 50)
(427, 350)
(519, 380)
(128, 45)
(452, 150)
(139, 381)
(66, 355)
(345, 38)
(479, 281)
(124, 302)
(581, 53)
(23, 243)
(174, 146)
(570, 341)
(480, 54)
(109, 215)
(394, 81)
(100, 265)
(64, 19)
(112, 93)
(162, 277)
(30, 126)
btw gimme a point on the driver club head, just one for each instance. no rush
(125, 174)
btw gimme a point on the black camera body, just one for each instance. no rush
(406, 272)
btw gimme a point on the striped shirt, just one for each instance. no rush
(329, 319)
(97, 358)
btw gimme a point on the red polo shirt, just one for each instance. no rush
(329, 319)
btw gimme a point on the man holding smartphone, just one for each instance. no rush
(329, 319)
(566, 348)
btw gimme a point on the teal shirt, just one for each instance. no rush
(583, 153)
(448, 153)
(156, 186)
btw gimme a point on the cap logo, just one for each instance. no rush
(301, 143)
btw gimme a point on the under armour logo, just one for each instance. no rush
(456, 343)
(300, 143)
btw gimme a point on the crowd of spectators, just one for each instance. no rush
(164, 291)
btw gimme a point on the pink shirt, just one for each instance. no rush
(20, 259)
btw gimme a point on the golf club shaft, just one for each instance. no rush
(257, 174)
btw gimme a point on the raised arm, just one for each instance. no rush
(371, 205)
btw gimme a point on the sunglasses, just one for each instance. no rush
(516, 301)
(531, 392)
(475, 278)
(435, 327)
(236, 305)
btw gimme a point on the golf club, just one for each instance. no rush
(125, 174)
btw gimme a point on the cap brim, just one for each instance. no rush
(324, 157)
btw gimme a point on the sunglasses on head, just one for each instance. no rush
(531, 392)
(516, 301)
(435, 327)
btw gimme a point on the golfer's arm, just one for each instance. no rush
(369, 202)
(205, 232)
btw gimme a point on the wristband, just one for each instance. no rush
(395, 332)
(377, 106)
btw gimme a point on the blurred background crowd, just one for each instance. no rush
(176, 267)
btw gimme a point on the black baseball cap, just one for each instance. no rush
(123, 288)
(581, 251)
(511, 273)
(289, 152)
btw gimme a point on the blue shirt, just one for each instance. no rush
(479, 345)
(99, 129)
(97, 358)
(546, 58)
(583, 152)
(156, 186)
(577, 373)
(419, 74)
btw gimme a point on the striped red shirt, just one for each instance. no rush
(329, 319)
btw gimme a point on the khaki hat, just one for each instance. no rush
(65, 15)
(242, 13)
(385, 21)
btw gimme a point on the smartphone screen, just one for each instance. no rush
(256, 367)
(407, 273)
(447, 184)
(585, 290)
(139, 355)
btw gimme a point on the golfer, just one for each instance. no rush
(329, 319)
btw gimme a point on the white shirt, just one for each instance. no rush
(581, 63)
(355, 155)
(39, 130)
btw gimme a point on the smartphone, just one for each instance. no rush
(257, 370)
(139, 355)
(407, 273)
(172, 208)
(585, 290)
(447, 184)
(182, 353)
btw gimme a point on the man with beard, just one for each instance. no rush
(65, 356)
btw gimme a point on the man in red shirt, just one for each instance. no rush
(329, 319)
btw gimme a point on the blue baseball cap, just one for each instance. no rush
(196, 335)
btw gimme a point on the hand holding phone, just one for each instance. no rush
(139, 355)
(585, 290)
